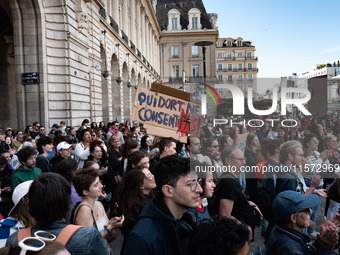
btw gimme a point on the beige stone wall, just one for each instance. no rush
(63, 40)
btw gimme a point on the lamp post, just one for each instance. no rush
(105, 73)
(204, 44)
(119, 80)
(204, 95)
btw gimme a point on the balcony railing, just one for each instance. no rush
(125, 37)
(175, 79)
(143, 58)
(114, 25)
(102, 13)
(132, 46)
(236, 58)
(195, 55)
(139, 54)
(193, 79)
(252, 58)
(235, 70)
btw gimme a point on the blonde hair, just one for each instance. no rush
(288, 147)
(112, 138)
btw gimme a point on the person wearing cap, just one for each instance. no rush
(27, 170)
(63, 151)
(19, 216)
(53, 130)
(292, 211)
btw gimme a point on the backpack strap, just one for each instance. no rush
(23, 233)
(66, 234)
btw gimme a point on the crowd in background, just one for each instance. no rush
(119, 176)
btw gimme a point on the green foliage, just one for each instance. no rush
(320, 67)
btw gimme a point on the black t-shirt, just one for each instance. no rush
(230, 188)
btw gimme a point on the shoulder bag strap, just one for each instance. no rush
(66, 234)
(23, 233)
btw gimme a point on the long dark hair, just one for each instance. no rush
(132, 199)
(143, 142)
(134, 159)
(127, 146)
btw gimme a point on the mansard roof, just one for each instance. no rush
(164, 6)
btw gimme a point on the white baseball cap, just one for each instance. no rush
(19, 192)
(63, 145)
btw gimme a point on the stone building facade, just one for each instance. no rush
(184, 23)
(236, 64)
(89, 56)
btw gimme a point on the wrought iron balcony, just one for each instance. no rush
(114, 25)
(175, 79)
(133, 47)
(102, 13)
(236, 70)
(193, 79)
(125, 37)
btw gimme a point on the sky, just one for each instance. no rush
(289, 36)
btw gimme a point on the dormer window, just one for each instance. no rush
(194, 23)
(219, 44)
(194, 19)
(228, 43)
(174, 24)
(174, 20)
(239, 43)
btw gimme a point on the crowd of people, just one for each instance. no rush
(78, 186)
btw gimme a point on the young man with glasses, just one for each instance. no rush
(231, 199)
(164, 226)
(292, 211)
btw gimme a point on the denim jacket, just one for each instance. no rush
(85, 241)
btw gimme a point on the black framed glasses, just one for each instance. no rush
(193, 185)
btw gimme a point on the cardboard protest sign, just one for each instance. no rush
(241, 141)
(166, 116)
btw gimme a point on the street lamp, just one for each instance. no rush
(204, 44)
(105, 73)
(204, 95)
(119, 80)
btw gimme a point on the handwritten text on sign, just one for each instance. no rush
(167, 112)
